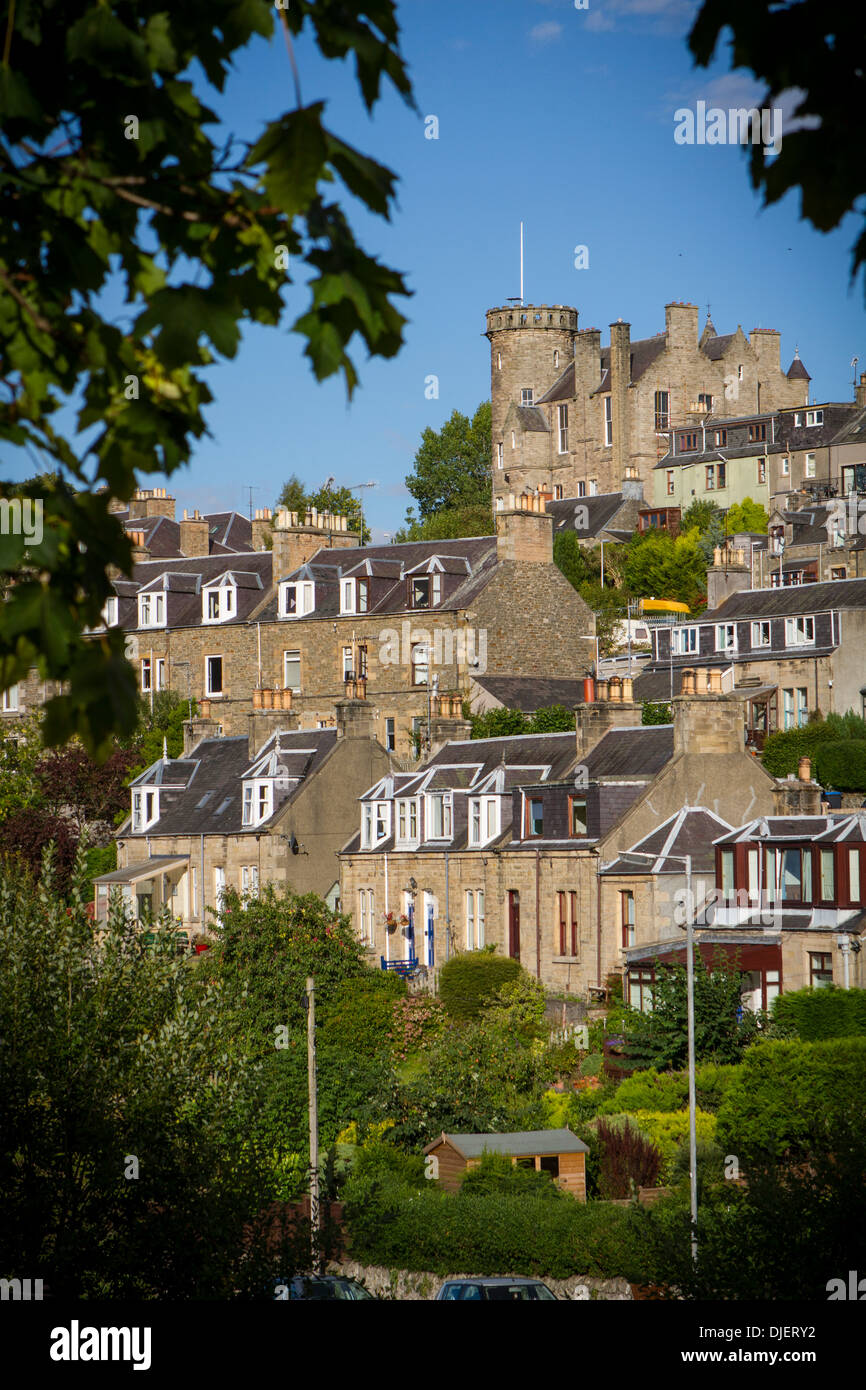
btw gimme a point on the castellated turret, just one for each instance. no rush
(531, 345)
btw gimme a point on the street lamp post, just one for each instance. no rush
(686, 859)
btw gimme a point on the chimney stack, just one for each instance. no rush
(265, 722)
(356, 719)
(295, 539)
(524, 532)
(262, 525)
(607, 711)
(194, 535)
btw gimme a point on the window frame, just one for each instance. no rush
(792, 639)
(608, 422)
(627, 917)
(760, 624)
(305, 598)
(210, 692)
(562, 427)
(445, 802)
(292, 657)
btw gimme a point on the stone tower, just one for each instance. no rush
(531, 345)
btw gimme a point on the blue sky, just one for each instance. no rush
(563, 118)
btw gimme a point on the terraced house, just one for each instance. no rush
(784, 651)
(317, 618)
(500, 841)
(272, 806)
(779, 897)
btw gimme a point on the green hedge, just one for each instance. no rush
(783, 750)
(792, 1097)
(842, 765)
(468, 982)
(449, 1234)
(669, 1091)
(818, 1014)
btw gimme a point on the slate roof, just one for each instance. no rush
(211, 801)
(562, 389)
(644, 352)
(600, 511)
(532, 419)
(692, 830)
(520, 1143)
(716, 347)
(530, 693)
(797, 371)
(229, 533)
(655, 686)
(836, 417)
(330, 564)
(790, 601)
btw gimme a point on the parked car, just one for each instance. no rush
(496, 1290)
(318, 1287)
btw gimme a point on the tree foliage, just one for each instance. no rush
(339, 501)
(661, 566)
(114, 187)
(747, 515)
(452, 466)
(816, 48)
(118, 1084)
(723, 1029)
(475, 519)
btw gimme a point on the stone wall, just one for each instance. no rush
(412, 1286)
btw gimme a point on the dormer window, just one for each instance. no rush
(484, 820)
(109, 612)
(425, 591)
(726, 637)
(219, 604)
(375, 824)
(258, 802)
(799, 632)
(145, 808)
(297, 598)
(354, 595)
(151, 610)
(439, 816)
(407, 821)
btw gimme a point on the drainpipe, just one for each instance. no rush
(259, 644)
(201, 903)
(448, 912)
(387, 940)
(537, 916)
(598, 920)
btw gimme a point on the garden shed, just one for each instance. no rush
(555, 1151)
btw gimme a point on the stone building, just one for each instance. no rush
(273, 806)
(780, 898)
(784, 652)
(571, 418)
(317, 617)
(499, 841)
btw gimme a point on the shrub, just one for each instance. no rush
(469, 981)
(712, 1083)
(628, 1160)
(783, 750)
(818, 1014)
(414, 1021)
(842, 765)
(792, 1096)
(669, 1131)
(648, 1090)
(497, 1174)
(358, 1013)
